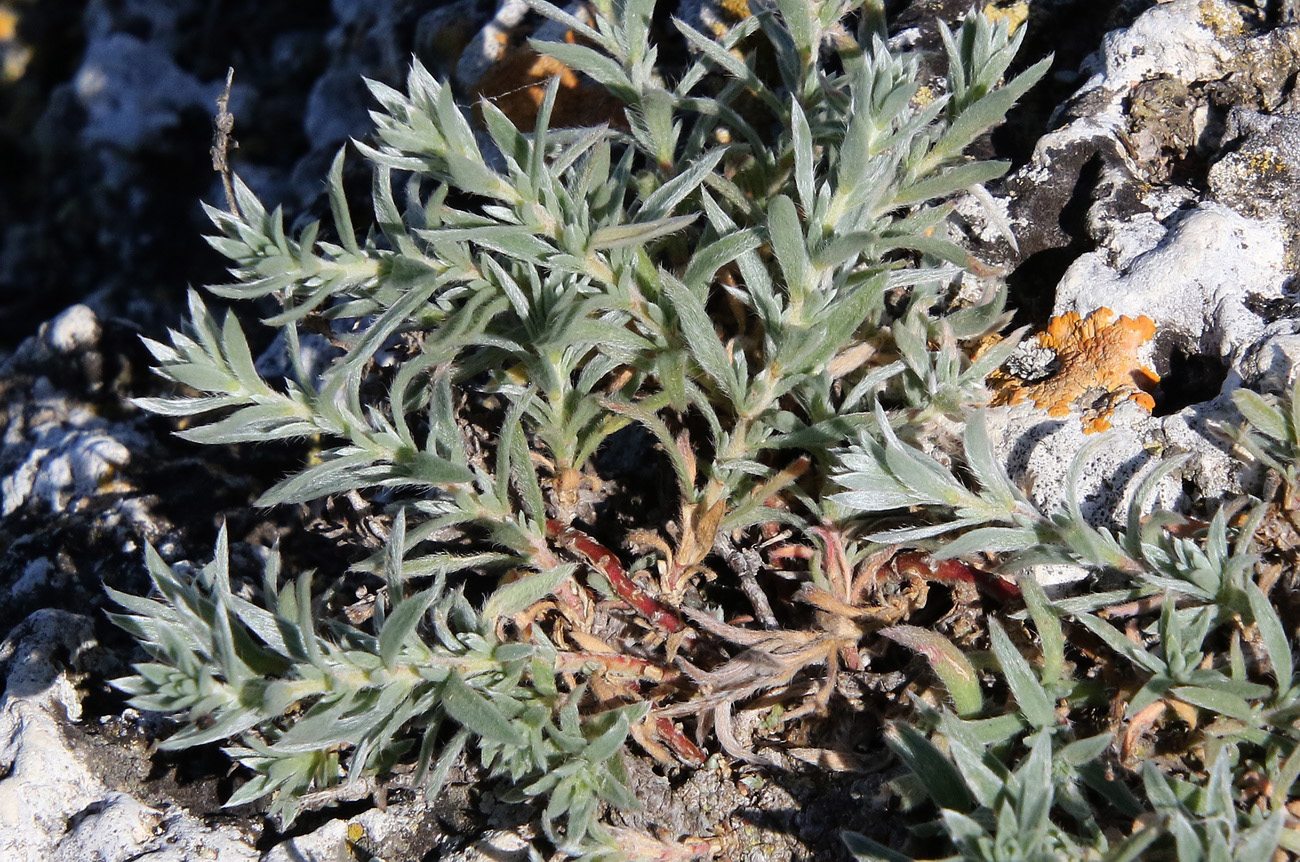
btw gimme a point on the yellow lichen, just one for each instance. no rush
(1015, 14)
(1265, 164)
(925, 94)
(1223, 22)
(1096, 369)
(735, 10)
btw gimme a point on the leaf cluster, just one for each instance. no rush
(718, 265)
(295, 693)
(1026, 779)
(987, 764)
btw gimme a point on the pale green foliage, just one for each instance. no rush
(230, 665)
(987, 771)
(1021, 784)
(727, 273)
(1271, 434)
(944, 381)
(575, 277)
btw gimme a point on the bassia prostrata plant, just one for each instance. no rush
(750, 264)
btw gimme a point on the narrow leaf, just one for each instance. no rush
(479, 714)
(525, 591)
(401, 623)
(1030, 696)
(949, 663)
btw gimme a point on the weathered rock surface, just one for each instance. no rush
(1165, 193)
(54, 802)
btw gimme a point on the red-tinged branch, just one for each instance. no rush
(621, 664)
(677, 741)
(607, 563)
(955, 571)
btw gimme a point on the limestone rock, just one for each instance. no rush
(54, 804)
(134, 91)
(53, 450)
(1114, 192)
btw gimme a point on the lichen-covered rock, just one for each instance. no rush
(1088, 365)
(1194, 95)
(1258, 174)
(395, 832)
(500, 65)
(1110, 214)
(1190, 40)
(1196, 282)
(1133, 137)
(1195, 285)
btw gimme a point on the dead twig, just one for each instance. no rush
(223, 142)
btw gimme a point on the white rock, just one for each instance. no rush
(75, 329)
(1176, 38)
(326, 843)
(488, 46)
(64, 463)
(111, 829)
(1271, 364)
(499, 845)
(54, 807)
(44, 783)
(396, 826)
(54, 449)
(1193, 267)
(1194, 282)
(1211, 466)
(35, 574)
(1039, 452)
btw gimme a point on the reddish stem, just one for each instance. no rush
(627, 664)
(954, 571)
(605, 560)
(688, 751)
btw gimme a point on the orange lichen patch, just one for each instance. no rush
(517, 84)
(1095, 368)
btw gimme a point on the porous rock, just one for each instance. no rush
(54, 804)
(1272, 363)
(394, 832)
(1135, 147)
(54, 449)
(1258, 172)
(1128, 119)
(1195, 282)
